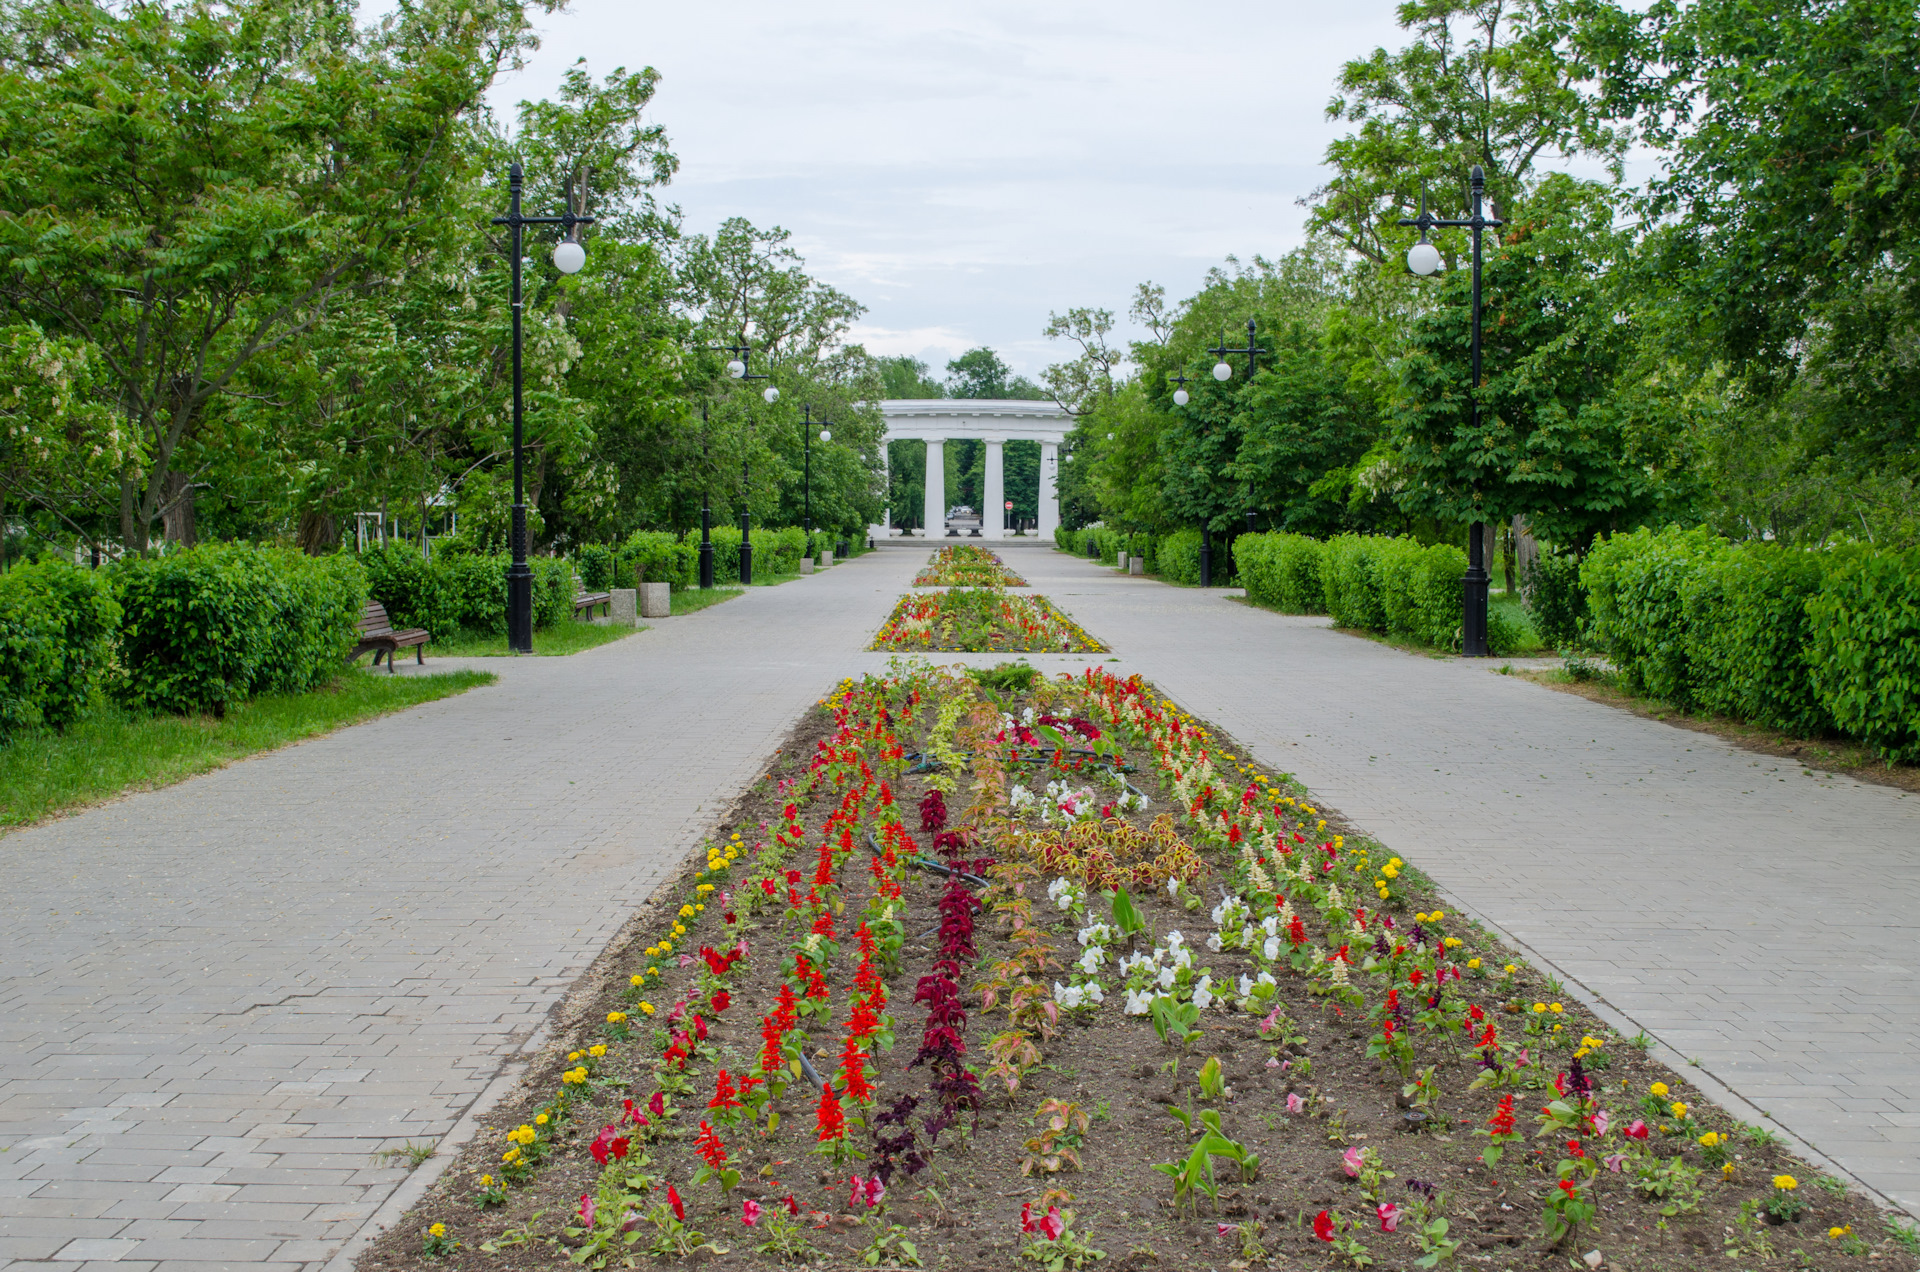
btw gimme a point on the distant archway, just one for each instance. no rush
(995, 421)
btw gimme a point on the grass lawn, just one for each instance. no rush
(568, 636)
(111, 752)
(694, 599)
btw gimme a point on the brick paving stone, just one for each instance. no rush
(222, 997)
(1744, 911)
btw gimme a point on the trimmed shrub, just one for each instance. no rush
(414, 591)
(1350, 580)
(554, 587)
(595, 563)
(57, 628)
(217, 624)
(1865, 655)
(1638, 590)
(1556, 600)
(1178, 558)
(1421, 595)
(1749, 636)
(1281, 570)
(474, 592)
(654, 556)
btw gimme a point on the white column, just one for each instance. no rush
(993, 517)
(1049, 509)
(885, 527)
(936, 512)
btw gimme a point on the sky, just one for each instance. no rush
(963, 170)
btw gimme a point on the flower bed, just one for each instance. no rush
(981, 620)
(1161, 1011)
(965, 565)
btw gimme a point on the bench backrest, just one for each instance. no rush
(373, 618)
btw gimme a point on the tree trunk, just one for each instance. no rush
(1523, 552)
(317, 533)
(176, 517)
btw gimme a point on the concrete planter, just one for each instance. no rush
(806, 565)
(623, 606)
(1120, 560)
(826, 559)
(1137, 565)
(656, 600)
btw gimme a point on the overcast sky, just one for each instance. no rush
(963, 169)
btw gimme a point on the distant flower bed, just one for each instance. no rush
(964, 565)
(982, 620)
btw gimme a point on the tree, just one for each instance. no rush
(1499, 83)
(1567, 436)
(902, 376)
(979, 373)
(194, 186)
(1081, 383)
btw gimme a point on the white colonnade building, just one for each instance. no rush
(995, 421)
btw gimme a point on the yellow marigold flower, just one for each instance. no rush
(1473, 964)
(1339, 841)
(679, 929)
(1837, 1233)
(573, 1055)
(635, 979)
(686, 911)
(575, 1077)
(1555, 1008)
(1539, 1008)
(523, 1134)
(511, 1156)
(1453, 942)
(1558, 1027)
(1709, 1139)
(653, 971)
(486, 1181)
(540, 1119)
(1321, 825)
(1511, 969)
(438, 1230)
(616, 1017)
(1381, 883)
(1421, 917)
(1785, 1183)
(1726, 1170)
(597, 1050)
(1658, 1088)
(700, 907)
(648, 1007)
(705, 887)
(1591, 1042)
(1678, 1110)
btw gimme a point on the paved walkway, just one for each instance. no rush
(218, 999)
(1745, 912)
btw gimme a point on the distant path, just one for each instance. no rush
(218, 999)
(1743, 912)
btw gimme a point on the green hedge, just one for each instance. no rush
(57, 629)
(1177, 557)
(1282, 571)
(1795, 639)
(458, 590)
(774, 552)
(655, 556)
(1555, 600)
(216, 624)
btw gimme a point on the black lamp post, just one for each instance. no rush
(739, 368)
(568, 257)
(1423, 258)
(806, 445)
(706, 504)
(1221, 372)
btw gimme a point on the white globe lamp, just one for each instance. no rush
(1180, 397)
(771, 394)
(825, 436)
(1221, 371)
(736, 369)
(1423, 258)
(569, 257)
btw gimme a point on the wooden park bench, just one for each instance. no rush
(585, 600)
(377, 634)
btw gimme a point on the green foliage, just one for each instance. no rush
(1555, 599)
(1785, 636)
(1866, 649)
(57, 629)
(595, 563)
(1178, 557)
(1350, 581)
(652, 556)
(213, 625)
(1282, 570)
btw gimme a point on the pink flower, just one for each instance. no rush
(1026, 1217)
(1613, 1161)
(685, 959)
(859, 1189)
(1600, 1122)
(1389, 1216)
(1224, 1228)
(876, 1190)
(1053, 1225)
(1273, 1062)
(1636, 1129)
(1351, 1161)
(750, 1212)
(586, 1211)
(1295, 1104)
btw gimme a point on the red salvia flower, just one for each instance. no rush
(829, 1123)
(711, 1150)
(723, 1093)
(679, 1207)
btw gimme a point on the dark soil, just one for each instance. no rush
(963, 1210)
